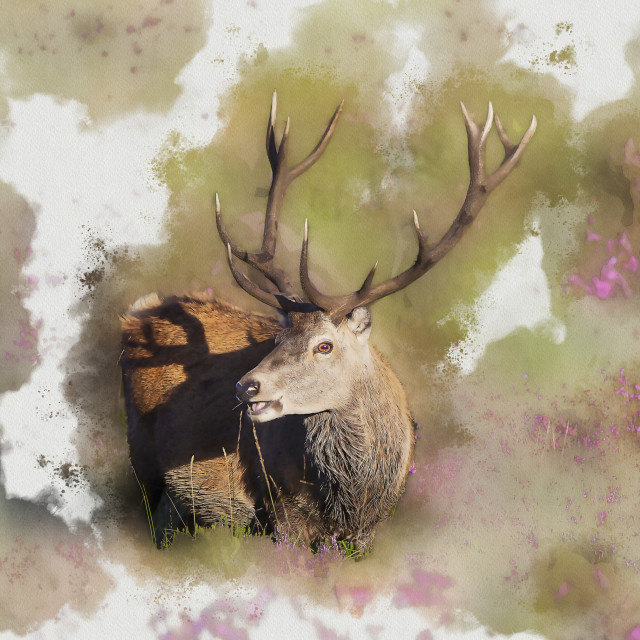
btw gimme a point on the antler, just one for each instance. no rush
(282, 177)
(480, 186)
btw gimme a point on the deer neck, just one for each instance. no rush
(355, 447)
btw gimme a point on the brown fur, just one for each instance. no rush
(331, 474)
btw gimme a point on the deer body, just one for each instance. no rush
(324, 442)
(333, 472)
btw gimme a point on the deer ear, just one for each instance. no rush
(359, 322)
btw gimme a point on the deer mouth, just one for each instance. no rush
(258, 408)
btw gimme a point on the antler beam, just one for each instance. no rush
(282, 177)
(480, 186)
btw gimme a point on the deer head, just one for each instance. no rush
(326, 344)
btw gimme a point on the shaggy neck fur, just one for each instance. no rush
(362, 450)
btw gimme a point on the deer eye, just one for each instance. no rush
(324, 347)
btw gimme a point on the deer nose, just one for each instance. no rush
(247, 390)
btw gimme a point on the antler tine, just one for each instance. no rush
(224, 236)
(336, 306)
(487, 127)
(422, 238)
(318, 150)
(477, 142)
(315, 295)
(480, 185)
(512, 152)
(272, 149)
(366, 285)
(504, 138)
(250, 287)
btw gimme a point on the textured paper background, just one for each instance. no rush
(110, 114)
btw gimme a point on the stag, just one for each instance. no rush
(323, 443)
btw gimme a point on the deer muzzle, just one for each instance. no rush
(260, 410)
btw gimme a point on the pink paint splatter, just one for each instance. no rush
(612, 277)
(634, 634)
(73, 553)
(601, 580)
(562, 591)
(21, 257)
(53, 281)
(353, 599)
(150, 21)
(425, 590)
(209, 620)
(25, 347)
(438, 477)
(613, 496)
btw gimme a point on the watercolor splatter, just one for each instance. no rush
(524, 490)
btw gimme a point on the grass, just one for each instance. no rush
(238, 530)
(159, 522)
(266, 477)
(350, 551)
(147, 507)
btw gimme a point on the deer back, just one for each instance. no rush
(182, 356)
